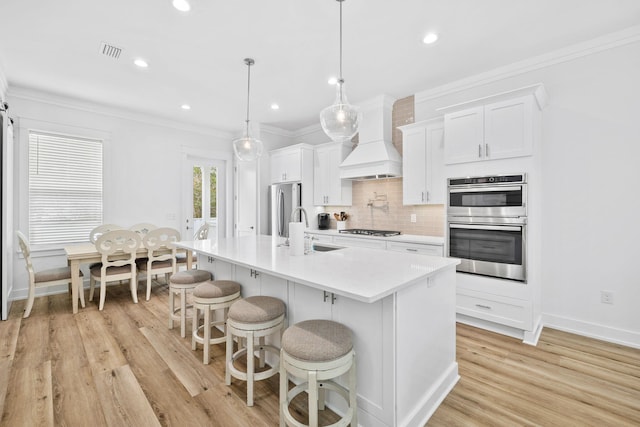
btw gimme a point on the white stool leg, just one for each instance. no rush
(207, 335)
(284, 388)
(171, 307)
(313, 399)
(194, 326)
(228, 358)
(183, 312)
(353, 396)
(250, 368)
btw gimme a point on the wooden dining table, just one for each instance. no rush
(86, 253)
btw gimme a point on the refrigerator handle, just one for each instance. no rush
(280, 213)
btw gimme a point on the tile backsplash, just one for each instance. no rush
(377, 204)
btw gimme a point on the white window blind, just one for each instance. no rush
(65, 188)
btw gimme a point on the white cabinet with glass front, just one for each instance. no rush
(423, 180)
(328, 188)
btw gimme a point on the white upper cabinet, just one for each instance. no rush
(493, 130)
(287, 163)
(328, 188)
(423, 180)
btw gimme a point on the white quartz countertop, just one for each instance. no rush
(363, 274)
(406, 238)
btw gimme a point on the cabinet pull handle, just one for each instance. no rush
(411, 249)
(211, 259)
(428, 196)
(333, 298)
(479, 150)
(486, 150)
(326, 295)
(483, 306)
(422, 196)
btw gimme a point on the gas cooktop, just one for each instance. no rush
(365, 232)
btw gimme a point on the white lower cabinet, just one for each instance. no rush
(373, 342)
(221, 270)
(359, 242)
(507, 311)
(416, 248)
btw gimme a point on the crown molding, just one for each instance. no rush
(590, 47)
(307, 130)
(35, 95)
(274, 130)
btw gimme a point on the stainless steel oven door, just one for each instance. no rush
(494, 247)
(491, 201)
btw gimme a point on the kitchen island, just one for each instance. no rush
(400, 307)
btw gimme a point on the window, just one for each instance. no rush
(65, 188)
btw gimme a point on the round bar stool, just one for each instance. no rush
(207, 298)
(181, 283)
(250, 318)
(317, 352)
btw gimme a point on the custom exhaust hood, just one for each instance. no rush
(374, 157)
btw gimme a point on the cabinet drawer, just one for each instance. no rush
(415, 248)
(361, 243)
(505, 311)
(322, 238)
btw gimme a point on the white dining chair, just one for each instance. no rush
(43, 278)
(118, 249)
(161, 254)
(101, 229)
(143, 228)
(201, 234)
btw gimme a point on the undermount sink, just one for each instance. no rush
(323, 248)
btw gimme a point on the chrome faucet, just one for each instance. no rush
(301, 209)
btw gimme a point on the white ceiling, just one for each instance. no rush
(197, 58)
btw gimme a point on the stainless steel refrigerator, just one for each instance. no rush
(283, 199)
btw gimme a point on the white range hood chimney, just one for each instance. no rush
(375, 156)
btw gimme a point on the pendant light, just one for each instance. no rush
(340, 121)
(246, 147)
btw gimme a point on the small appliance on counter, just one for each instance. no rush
(323, 221)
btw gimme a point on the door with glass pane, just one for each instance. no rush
(205, 201)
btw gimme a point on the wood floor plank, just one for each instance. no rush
(180, 361)
(32, 347)
(122, 399)
(73, 385)
(30, 397)
(103, 352)
(9, 331)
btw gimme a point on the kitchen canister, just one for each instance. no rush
(296, 238)
(341, 225)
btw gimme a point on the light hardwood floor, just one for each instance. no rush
(124, 367)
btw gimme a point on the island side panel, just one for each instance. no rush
(426, 367)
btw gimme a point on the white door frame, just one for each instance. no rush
(224, 162)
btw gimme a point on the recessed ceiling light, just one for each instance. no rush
(332, 80)
(181, 5)
(430, 38)
(275, 106)
(185, 107)
(141, 63)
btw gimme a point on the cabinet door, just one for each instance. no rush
(464, 136)
(414, 168)
(359, 242)
(320, 175)
(285, 166)
(415, 248)
(250, 282)
(435, 176)
(306, 303)
(508, 128)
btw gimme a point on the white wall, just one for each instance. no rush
(589, 168)
(142, 175)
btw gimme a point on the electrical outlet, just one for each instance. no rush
(606, 297)
(413, 218)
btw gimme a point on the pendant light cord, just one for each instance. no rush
(340, 79)
(249, 62)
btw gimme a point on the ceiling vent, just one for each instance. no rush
(110, 50)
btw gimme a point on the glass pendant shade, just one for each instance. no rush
(247, 148)
(340, 120)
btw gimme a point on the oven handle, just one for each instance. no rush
(483, 189)
(487, 227)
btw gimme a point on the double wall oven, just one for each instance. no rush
(487, 225)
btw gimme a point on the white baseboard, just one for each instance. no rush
(593, 330)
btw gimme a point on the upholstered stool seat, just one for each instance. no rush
(182, 283)
(317, 352)
(250, 318)
(208, 297)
